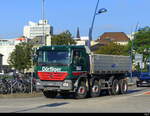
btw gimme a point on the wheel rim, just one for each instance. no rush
(95, 89)
(115, 87)
(124, 87)
(81, 90)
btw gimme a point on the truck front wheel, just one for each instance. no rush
(50, 94)
(81, 91)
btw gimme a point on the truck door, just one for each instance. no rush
(79, 60)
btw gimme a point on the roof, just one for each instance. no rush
(114, 36)
(96, 46)
(21, 39)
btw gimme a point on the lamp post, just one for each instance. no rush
(132, 49)
(102, 10)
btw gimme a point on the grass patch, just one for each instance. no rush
(21, 95)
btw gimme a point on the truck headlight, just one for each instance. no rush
(65, 84)
(38, 83)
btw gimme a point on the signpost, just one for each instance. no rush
(139, 59)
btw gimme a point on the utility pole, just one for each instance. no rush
(132, 44)
(43, 22)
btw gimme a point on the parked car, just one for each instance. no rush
(144, 79)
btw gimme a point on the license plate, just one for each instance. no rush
(50, 88)
(54, 84)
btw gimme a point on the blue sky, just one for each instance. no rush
(122, 15)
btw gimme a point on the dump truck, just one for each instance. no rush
(77, 71)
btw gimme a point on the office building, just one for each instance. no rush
(41, 28)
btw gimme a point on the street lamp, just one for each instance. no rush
(102, 10)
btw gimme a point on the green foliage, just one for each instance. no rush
(20, 58)
(141, 43)
(113, 49)
(142, 40)
(6, 77)
(64, 38)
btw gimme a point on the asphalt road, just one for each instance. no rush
(136, 100)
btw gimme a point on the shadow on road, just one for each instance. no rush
(134, 91)
(53, 105)
(43, 106)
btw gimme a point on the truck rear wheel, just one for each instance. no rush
(95, 89)
(115, 87)
(81, 91)
(50, 94)
(123, 85)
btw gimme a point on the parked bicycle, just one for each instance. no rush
(5, 86)
(17, 85)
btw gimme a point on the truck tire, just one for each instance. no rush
(123, 85)
(95, 89)
(81, 91)
(138, 83)
(115, 87)
(50, 94)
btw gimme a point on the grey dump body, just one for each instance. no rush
(109, 64)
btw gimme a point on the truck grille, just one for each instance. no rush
(52, 75)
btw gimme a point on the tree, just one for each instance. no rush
(64, 38)
(141, 42)
(113, 49)
(20, 58)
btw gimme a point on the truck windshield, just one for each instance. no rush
(53, 57)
